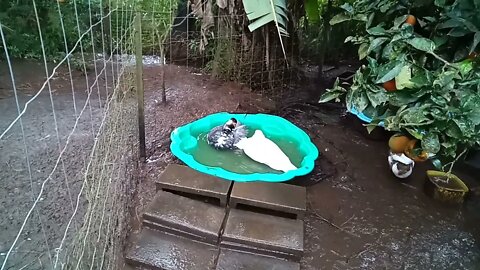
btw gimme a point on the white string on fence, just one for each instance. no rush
(27, 156)
(54, 71)
(89, 235)
(88, 166)
(78, 116)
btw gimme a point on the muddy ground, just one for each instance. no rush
(360, 216)
(35, 248)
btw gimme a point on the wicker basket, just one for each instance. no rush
(444, 188)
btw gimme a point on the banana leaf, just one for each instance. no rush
(262, 12)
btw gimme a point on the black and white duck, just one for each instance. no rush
(227, 135)
(401, 165)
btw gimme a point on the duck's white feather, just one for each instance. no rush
(401, 165)
(263, 150)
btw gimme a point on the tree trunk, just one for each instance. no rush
(325, 38)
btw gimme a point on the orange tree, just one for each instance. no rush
(421, 75)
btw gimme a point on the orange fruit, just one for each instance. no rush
(423, 156)
(398, 143)
(390, 85)
(411, 20)
(410, 146)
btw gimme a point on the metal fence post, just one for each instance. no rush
(139, 80)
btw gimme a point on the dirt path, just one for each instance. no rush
(43, 231)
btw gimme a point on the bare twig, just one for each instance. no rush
(453, 162)
(443, 60)
(358, 254)
(332, 224)
(348, 220)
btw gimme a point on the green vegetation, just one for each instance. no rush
(20, 26)
(422, 75)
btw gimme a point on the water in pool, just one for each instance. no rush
(236, 161)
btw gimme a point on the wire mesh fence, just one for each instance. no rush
(68, 139)
(217, 41)
(68, 123)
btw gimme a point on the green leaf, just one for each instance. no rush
(372, 64)
(360, 101)
(376, 31)
(476, 40)
(440, 3)
(348, 39)
(465, 66)
(347, 7)
(339, 18)
(421, 78)
(402, 80)
(405, 33)
(360, 17)
(470, 26)
(349, 99)
(376, 43)
(444, 78)
(466, 127)
(363, 51)
(453, 131)
(370, 128)
(312, 11)
(387, 52)
(415, 116)
(421, 22)
(377, 98)
(451, 23)
(458, 32)
(430, 19)
(431, 143)
(417, 135)
(262, 12)
(440, 40)
(370, 20)
(422, 44)
(399, 20)
(329, 96)
(389, 72)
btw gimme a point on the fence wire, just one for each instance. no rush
(68, 128)
(68, 144)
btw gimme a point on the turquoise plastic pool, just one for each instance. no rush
(189, 146)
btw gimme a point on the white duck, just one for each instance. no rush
(401, 165)
(261, 149)
(227, 135)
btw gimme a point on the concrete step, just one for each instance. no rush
(263, 234)
(178, 178)
(230, 259)
(156, 250)
(185, 217)
(275, 197)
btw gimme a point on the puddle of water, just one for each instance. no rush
(129, 60)
(236, 161)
